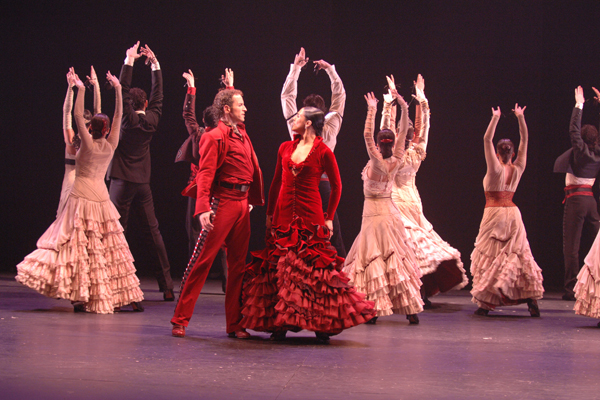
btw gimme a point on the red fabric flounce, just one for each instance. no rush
(296, 283)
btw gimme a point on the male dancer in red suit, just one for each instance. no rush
(229, 175)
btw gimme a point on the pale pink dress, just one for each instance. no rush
(587, 289)
(503, 269)
(83, 255)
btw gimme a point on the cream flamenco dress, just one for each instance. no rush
(83, 256)
(503, 269)
(381, 262)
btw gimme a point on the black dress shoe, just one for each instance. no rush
(413, 319)
(278, 336)
(168, 295)
(534, 309)
(568, 297)
(137, 306)
(426, 303)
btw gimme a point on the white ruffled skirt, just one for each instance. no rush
(503, 269)
(83, 256)
(587, 289)
(381, 262)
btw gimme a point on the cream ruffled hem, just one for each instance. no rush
(587, 294)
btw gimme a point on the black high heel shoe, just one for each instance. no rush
(78, 306)
(372, 321)
(322, 337)
(137, 306)
(481, 311)
(413, 319)
(534, 309)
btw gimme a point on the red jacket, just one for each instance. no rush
(213, 149)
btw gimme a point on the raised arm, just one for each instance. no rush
(374, 154)
(333, 120)
(402, 127)
(388, 114)
(130, 117)
(86, 138)
(522, 156)
(115, 130)
(577, 142)
(93, 79)
(189, 105)
(488, 145)
(290, 90)
(422, 115)
(155, 101)
(68, 132)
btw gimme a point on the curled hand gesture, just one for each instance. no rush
(227, 78)
(300, 59)
(114, 82)
(92, 78)
(150, 57)
(420, 83)
(371, 100)
(388, 97)
(71, 78)
(189, 77)
(132, 52)
(518, 110)
(75, 78)
(321, 64)
(391, 82)
(597, 97)
(496, 112)
(206, 220)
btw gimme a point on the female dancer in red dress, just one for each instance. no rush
(296, 281)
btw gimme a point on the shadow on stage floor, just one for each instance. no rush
(49, 352)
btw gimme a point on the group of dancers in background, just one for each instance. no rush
(303, 278)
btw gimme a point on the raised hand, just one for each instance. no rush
(132, 52)
(71, 78)
(76, 79)
(519, 111)
(300, 59)
(189, 77)
(597, 97)
(92, 78)
(228, 77)
(150, 57)
(496, 112)
(579, 95)
(420, 83)
(321, 64)
(391, 82)
(113, 80)
(371, 100)
(388, 97)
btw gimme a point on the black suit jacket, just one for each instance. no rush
(131, 161)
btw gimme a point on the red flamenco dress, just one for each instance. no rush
(296, 282)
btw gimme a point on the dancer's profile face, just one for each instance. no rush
(238, 109)
(299, 122)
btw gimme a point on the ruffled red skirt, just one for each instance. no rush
(296, 283)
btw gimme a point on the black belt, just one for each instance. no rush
(236, 186)
(69, 161)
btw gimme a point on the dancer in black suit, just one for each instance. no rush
(129, 171)
(581, 164)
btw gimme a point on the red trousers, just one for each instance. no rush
(232, 227)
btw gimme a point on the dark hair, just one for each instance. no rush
(210, 117)
(505, 149)
(386, 148)
(98, 123)
(224, 98)
(317, 117)
(138, 98)
(589, 134)
(316, 101)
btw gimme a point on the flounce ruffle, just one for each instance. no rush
(296, 283)
(439, 262)
(381, 264)
(503, 269)
(587, 293)
(83, 256)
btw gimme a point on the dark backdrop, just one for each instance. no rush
(473, 55)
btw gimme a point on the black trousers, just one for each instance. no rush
(578, 210)
(137, 198)
(336, 239)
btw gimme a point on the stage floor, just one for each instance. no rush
(49, 352)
